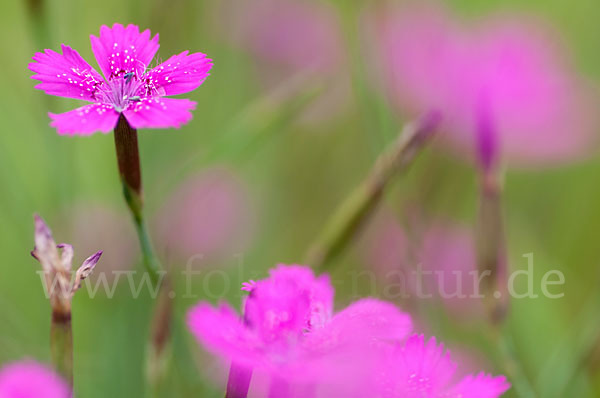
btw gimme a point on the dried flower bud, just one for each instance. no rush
(56, 261)
(85, 270)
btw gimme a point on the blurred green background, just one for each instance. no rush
(296, 172)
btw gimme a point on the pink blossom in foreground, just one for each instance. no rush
(289, 331)
(209, 215)
(503, 86)
(423, 369)
(29, 379)
(128, 87)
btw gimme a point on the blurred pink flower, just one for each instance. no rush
(288, 329)
(209, 214)
(423, 369)
(444, 252)
(29, 379)
(295, 40)
(99, 225)
(300, 35)
(448, 251)
(123, 54)
(391, 254)
(503, 86)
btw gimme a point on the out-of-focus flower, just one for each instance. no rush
(294, 34)
(111, 231)
(209, 215)
(419, 368)
(29, 379)
(291, 39)
(448, 252)
(288, 329)
(56, 261)
(123, 54)
(387, 250)
(440, 257)
(503, 86)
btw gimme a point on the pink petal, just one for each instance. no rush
(320, 291)
(85, 270)
(66, 74)
(159, 113)
(222, 332)
(88, 265)
(66, 255)
(43, 236)
(85, 120)
(123, 49)
(364, 322)
(180, 74)
(416, 369)
(480, 386)
(29, 379)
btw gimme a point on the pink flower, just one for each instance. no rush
(123, 54)
(29, 379)
(423, 369)
(503, 86)
(293, 34)
(92, 225)
(448, 252)
(296, 44)
(208, 214)
(288, 328)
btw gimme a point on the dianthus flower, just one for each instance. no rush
(128, 88)
(503, 87)
(289, 330)
(29, 379)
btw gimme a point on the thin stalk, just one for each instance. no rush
(492, 259)
(491, 247)
(512, 365)
(238, 382)
(150, 260)
(39, 22)
(356, 209)
(159, 347)
(128, 158)
(126, 144)
(61, 344)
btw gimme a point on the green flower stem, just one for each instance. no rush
(492, 259)
(511, 364)
(126, 145)
(356, 209)
(151, 262)
(61, 344)
(491, 247)
(159, 349)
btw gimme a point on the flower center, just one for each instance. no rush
(127, 88)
